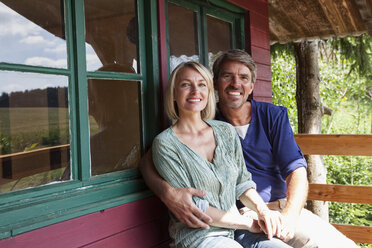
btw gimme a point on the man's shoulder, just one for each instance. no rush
(268, 109)
(266, 106)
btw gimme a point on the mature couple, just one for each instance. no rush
(203, 166)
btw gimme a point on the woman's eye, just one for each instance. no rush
(202, 85)
(185, 85)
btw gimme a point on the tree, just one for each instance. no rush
(309, 112)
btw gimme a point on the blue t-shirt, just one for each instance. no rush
(269, 149)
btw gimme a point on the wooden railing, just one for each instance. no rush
(23, 164)
(354, 145)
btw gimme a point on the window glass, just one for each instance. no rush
(34, 130)
(114, 125)
(183, 37)
(32, 33)
(219, 37)
(111, 34)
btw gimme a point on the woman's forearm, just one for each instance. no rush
(225, 219)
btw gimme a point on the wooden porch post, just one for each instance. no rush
(309, 109)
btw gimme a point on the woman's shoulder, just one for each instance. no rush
(163, 137)
(221, 126)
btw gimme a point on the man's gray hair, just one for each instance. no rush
(235, 55)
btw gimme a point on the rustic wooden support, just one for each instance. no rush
(360, 234)
(340, 193)
(335, 144)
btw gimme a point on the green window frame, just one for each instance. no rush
(28, 209)
(216, 8)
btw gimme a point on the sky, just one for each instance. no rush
(24, 42)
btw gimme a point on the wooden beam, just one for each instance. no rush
(340, 193)
(335, 144)
(360, 234)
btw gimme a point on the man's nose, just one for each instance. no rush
(235, 82)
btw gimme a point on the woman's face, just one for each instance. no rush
(190, 91)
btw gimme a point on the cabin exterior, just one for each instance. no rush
(81, 91)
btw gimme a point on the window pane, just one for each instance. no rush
(111, 34)
(32, 33)
(219, 37)
(114, 125)
(183, 37)
(34, 130)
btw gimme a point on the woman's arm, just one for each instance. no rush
(178, 200)
(224, 219)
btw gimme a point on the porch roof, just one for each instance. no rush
(298, 20)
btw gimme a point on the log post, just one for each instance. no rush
(310, 112)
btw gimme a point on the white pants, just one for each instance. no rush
(313, 232)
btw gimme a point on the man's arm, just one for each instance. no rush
(178, 200)
(297, 188)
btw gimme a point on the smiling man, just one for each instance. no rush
(271, 155)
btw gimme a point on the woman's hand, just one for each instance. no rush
(270, 222)
(179, 202)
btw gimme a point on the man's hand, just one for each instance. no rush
(179, 202)
(270, 222)
(289, 227)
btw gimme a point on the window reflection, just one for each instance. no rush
(34, 130)
(33, 33)
(114, 124)
(219, 37)
(183, 37)
(111, 34)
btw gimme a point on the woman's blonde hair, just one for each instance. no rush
(171, 106)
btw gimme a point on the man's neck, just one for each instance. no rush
(238, 117)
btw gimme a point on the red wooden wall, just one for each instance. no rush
(144, 223)
(139, 224)
(258, 42)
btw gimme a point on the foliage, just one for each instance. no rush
(346, 88)
(283, 71)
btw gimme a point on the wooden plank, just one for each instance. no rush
(264, 73)
(97, 226)
(46, 149)
(261, 56)
(150, 234)
(360, 234)
(340, 193)
(263, 89)
(335, 144)
(259, 6)
(260, 38)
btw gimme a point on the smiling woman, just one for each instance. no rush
(35, 40)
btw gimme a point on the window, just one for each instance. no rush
(200, 32)
(34, 116)
(75, 99)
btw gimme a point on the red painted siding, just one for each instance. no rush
(144, 223)
(259, 45)
(138, 224)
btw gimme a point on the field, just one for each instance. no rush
(31, 128)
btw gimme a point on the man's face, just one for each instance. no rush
(234, 84)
